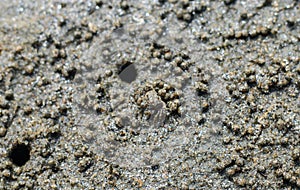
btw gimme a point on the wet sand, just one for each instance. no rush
(164, 94)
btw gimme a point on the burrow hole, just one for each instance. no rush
(127, 72)
(20, 154)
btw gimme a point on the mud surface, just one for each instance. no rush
(157, 94)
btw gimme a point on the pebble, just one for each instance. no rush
(3, 131)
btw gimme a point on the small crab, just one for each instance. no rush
(156, 109)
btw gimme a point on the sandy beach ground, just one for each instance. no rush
(162, 94)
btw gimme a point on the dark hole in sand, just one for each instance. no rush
(20, 154)
(155, 167)
(128, 72)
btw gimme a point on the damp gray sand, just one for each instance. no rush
(166, 94)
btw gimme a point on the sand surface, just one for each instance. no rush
(149, 94)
